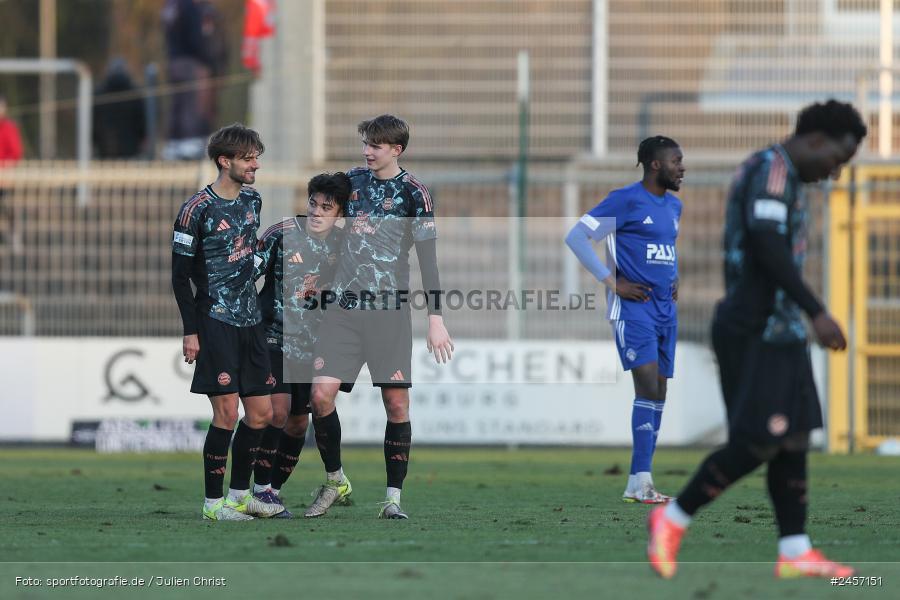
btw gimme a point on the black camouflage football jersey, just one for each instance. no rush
(220, 235)
(384, 218)
(766, 194)
(297, 267)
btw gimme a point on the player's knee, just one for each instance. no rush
(225, 416)
(321, 400)
(397, 407)
(279, 416)
(258, 417)
(297, 425)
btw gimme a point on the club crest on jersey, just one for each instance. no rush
(308, 287)
(387, 203)
(332, 258)
(354, 195)
(660, 254)
(251, 218)
(361, 224)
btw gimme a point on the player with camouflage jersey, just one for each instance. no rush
(213, 246)
(389, 212)
(760, 342)
(299, 256)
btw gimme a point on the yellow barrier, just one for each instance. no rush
(864, 384)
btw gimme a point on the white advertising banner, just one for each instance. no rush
(52, 383)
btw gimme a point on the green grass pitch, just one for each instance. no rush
(485, 523)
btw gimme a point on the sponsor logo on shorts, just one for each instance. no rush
(630, 354)
(319, 363)
(778, 424)
(397, 376)
(224, 378)
(270, 380)
(387, 203)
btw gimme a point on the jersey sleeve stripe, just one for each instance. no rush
(777, 176)
(188, 209)
(286, 224)
(426, 197)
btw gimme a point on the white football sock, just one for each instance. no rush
(631, 488)
(257, 488)
(237, 495)
(335, 475)
(792, 546)
(210, 502)
(674, 513)
(393, 494)
(641, 478)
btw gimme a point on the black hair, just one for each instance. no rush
(648, 150)
(834, 119)
(336, 186)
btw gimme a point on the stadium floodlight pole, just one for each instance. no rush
(64, 65)
(886, 80)
(520, 209)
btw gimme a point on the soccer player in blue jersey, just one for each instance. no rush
(213, 246)
(642, 288)
(760, 341)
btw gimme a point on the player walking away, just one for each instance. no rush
(760, 341)
(390, 210)
(299, 257)
(641, 297)
(213, 246)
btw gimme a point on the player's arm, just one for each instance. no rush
(425, 237)
(595, 226)
(767, 237)
(184, 247)
(265, 256)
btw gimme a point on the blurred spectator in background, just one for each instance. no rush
(119, 115)
(10, 140)
(190, 121)
(10, 154)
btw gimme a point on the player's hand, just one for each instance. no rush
(829, 332)
(632, 291)
(190, 348)
(438, 340)
(675, 292)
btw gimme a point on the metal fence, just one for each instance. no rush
(103, 268)
(720, 76)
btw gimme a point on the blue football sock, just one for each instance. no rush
(642, 429)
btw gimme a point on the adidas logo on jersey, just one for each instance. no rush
(648, 221)
(296, 258)
(223, 225)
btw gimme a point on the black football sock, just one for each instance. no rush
(787, 488)
(720, 469)
(397, 440)
(265, 456)
(286, 458)
(243, 453)
(215, 457)
(328, 440)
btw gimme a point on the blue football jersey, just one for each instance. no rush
(642, 250)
